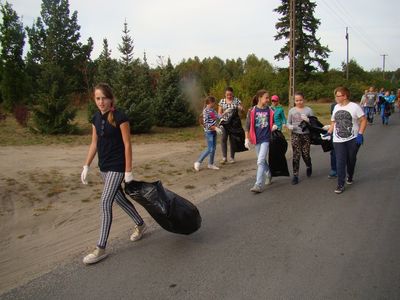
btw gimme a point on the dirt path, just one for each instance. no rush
(47, 217)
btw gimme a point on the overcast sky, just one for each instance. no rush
(230, 29)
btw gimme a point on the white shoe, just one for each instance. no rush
(256, 189)
(197, 166)
(94, 257)
(213, 167)
(223, 161)
(138, 232)
(231, 161)
(268, 180)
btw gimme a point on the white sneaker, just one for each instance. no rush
(197, 166)
(268, 179)
(94, 257)
(213, 167)
(231, 161)
(138, 232)
(256, 189)
(223, 161)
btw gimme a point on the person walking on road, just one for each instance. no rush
(371, 99)
(211, 130)
(300, 139)
(259, 125)
(229, 102)
(111, 141)
(279, 113)
(348, 123)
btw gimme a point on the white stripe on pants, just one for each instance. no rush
(113, 191)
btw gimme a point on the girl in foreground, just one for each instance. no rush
(111, 141)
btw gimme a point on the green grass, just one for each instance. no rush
(12, 134)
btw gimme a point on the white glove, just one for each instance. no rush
(218, 130)
(247, 143)
(84, 174)
(326, 127)
(305, 118)
(128, 176)
(274, 127)
(326, 136)
(289, 126)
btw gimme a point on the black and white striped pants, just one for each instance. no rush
(113, 191)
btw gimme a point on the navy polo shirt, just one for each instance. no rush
(110, 145)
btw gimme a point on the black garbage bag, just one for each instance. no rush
(233, 127)
(276, 157)
(171, 211)
(315, 128)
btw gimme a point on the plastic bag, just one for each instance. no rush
(276, 157)
(171, 211)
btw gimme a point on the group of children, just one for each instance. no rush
(111, 142)
(381, 102)
(266, 115)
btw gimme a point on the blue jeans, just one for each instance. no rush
(211, 138)
(262, 165)
(385, 119)
(333, 160)
(346, 157)
(369, 112)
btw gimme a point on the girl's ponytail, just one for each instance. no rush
(110, 117)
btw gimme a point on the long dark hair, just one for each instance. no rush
(258, 95)
(107, 91)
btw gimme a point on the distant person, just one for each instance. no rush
(380, 96)
(229, 102)
(348, 124)
(279, 113)
(259, 125)
(211, 129)
(386, 107)
(363, 101)
(371, 100)
(300, 139)
(111, 141)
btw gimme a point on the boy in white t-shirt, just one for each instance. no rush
(348, 124)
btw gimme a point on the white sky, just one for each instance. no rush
(230, 29)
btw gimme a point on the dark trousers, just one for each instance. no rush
(333, 160)
(346, 157)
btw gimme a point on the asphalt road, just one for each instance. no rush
(290, 242)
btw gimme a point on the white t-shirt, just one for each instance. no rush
(346, 122)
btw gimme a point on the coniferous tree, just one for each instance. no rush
(105, 72)
(56, 58)
(172, 110)
(309, 51)
(133, 87)
(12, 40)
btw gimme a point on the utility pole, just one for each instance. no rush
(383, 68)
(347, 57)
(292, 51)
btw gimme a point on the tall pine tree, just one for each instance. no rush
(12, 40)
(172, 110)
(309, 51)
(56, 58)
(132, 87)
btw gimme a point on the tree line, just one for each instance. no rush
(57, 74)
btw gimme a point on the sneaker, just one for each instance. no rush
(223, 161)
(213, 167)
(339, 189)
(94, 257)
(295, 180)
(349, 181)
(332, 174)
(231, 161)
(256, 189)
(197, 166)
(309, 171)
(268, 179)
(138, 232)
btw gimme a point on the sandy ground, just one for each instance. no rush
(47, 217)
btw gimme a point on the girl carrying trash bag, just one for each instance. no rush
(259, 125)
(111, 141)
